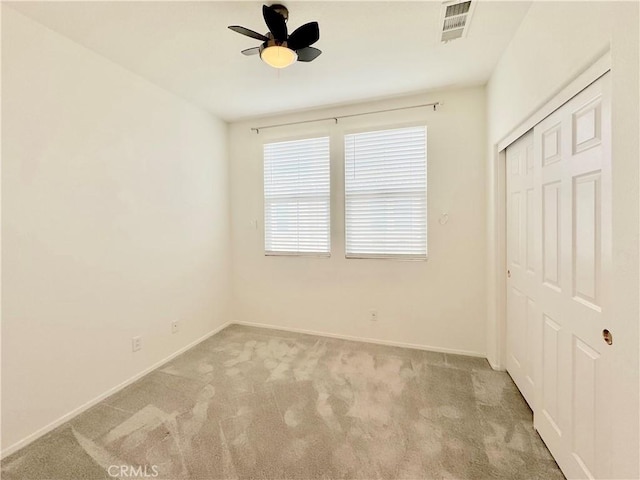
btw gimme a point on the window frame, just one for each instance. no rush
(284, 139)
(380, 128)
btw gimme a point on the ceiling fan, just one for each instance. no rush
(278, 48)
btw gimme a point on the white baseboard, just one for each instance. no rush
(391, 343)
(496, 366)
(77, 411)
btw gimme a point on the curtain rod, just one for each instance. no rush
(339, 117)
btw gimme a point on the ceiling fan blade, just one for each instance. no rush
(251, 51)
(247, 32)
(275, 22)
(308, 54)
(303, 36)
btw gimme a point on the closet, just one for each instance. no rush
(559, 347)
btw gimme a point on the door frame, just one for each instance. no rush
(496, 295)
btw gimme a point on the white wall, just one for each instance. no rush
(114, 223)
(555, 42)
(439, 304)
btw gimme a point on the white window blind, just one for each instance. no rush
(386, 193)
(296, 197)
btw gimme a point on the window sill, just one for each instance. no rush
(297, 254)
(402, 258)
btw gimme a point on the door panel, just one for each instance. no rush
(516, 241)
(559, 250)
(531, 258)
(549, 387)
(551, 234)
(551, 145)
(522, 311)
(584, 404)
(572, 150)
(586, 238)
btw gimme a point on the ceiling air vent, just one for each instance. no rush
(455, 19)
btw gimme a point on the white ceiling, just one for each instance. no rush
(370, 49)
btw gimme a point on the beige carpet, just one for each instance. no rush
(254, 403)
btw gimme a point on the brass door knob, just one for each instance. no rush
(608, 338)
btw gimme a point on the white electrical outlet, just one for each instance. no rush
(175, 326)
(136, 343)
(373, 315)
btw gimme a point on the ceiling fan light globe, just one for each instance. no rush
(278, 56)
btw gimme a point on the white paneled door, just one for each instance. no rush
(522, 260)
(559, 261)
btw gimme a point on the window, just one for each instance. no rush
(386, 193)
(296, 197)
